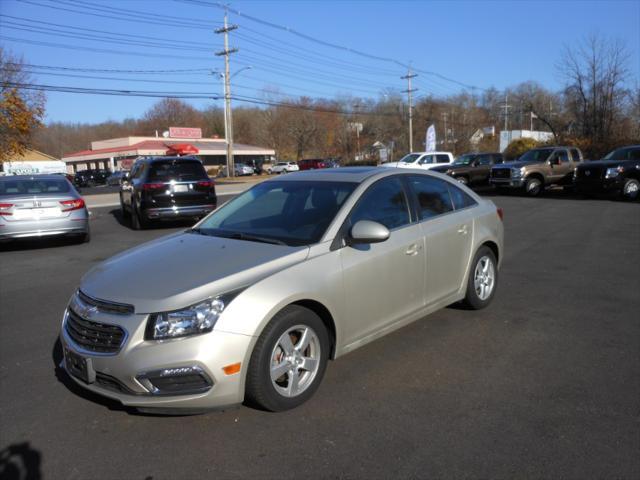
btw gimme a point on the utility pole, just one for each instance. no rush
(446, 143)
(409, 91)
(506, 107)
(228, 119)
(357, 127)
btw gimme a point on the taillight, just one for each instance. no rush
(153, 186)
(205, 183)
(68, 205)
(500, 213)
(4, 207)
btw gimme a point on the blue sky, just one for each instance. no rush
(478, 43)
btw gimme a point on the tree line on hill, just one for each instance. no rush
(597, 110)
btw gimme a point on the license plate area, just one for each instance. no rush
(79, 366)
(36, 213)
(180, 188)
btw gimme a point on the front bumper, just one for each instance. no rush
(507, 182)
(77, 223)
(178, 211)
(599, 185)
(122, 376)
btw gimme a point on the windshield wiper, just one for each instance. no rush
(253, 238)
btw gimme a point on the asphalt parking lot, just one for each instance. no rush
(543, 383)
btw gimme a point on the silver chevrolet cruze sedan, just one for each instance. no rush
(252, 302)
(41, 206)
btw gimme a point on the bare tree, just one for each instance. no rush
(596, 71)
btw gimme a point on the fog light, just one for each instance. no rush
(176, 381)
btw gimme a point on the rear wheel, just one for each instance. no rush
(631, 189)
(483, 279)
(288, 361)
(138, 222)
(533, 186)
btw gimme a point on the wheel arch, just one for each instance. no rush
(493, 246)
(537, 175)
(326, 317)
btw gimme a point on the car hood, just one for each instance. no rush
(516, 164)
(179, 270)
(604, 163)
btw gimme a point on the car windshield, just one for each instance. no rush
(179, 170)
(626, 153)
(33, 186)
(289, 213)
(410, 158)
(464, 160)
(537, 155)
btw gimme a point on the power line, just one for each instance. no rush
(182, 95)
(106, 70)
(326, 43)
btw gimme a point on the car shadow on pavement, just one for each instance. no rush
(20, 461)
(38, 243)
(158, 225)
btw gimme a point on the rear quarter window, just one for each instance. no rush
(460, 199)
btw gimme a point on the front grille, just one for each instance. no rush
(94, 336)
(501, 173)
(107, 307)
(594, 173)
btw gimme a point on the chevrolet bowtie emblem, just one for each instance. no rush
(587, 173)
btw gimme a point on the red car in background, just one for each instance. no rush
(312, 164)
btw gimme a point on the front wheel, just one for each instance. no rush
(630, 189)
(483, 279)
(533, 186)
(288, 361)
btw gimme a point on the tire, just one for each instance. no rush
(275, 394)
(631, 189)
(123, 209)
(137, 221)
(84, 237)
(476, 298)
(533, 186)
(462, 180)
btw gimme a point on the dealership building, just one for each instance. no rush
(119, 153)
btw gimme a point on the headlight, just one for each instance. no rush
(196, 319)
(517, 172)
(613, 172)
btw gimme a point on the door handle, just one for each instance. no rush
(412, 249)
(463, 230)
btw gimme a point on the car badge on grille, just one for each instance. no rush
(87, 311)
(587, 172)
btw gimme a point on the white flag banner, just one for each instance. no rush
(430, 142)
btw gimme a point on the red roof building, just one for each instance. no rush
(119, 153)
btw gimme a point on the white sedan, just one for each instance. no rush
(283, 167)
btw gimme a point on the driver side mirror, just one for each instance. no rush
(366, 231)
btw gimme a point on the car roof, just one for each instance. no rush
(164, 159)
(344, 174)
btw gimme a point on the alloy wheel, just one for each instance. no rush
(295, 360)
(484, 278)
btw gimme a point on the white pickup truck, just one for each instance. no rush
(425, 160)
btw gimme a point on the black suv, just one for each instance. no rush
(618, 172)
(89, 178)
(471, 168)
(166, 188)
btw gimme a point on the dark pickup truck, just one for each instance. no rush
(616, 173)
(471, 168)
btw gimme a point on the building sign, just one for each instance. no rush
(182, 132)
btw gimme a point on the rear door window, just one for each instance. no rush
(180, 171)
(442, 158)
(575, 154)
(432, 195)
